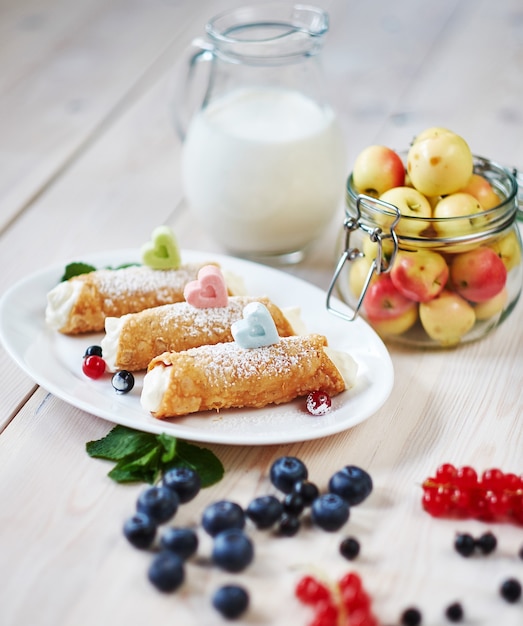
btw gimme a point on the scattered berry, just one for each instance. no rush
(264, 511)
(93, 351)
(487, 543)
(286, 471)
(350, 548)
(184, 481)
(232, 550)
(510, 590)
(93, 366)
(293, 504)
(352, 483)
(411, 617)
(289, 525)
(464, 544)
(159, 503)
(166, 571)
(222, 515)
(140, 530)
(231, 601)
(454, 612)
(122, 381)
(307, 490)
(330, 511)
(182, 541)
(310, 591)
(318, 403)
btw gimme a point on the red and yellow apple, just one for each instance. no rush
(458, 214)
(508, 248)
(411, 204)
(419, 275)
(479, 187)
(439, 162)
(376, 169)
(383, 301)
(447, 318)
(478, 274)
(397, 325)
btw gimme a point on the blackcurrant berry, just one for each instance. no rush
(510, 590)
(293, 504)
(289, 525)
(122, 381)
(93, 350)
(307, 490)
(454, 612)
(410, 617)
(487, 543)
(464, 544)
(350, 548)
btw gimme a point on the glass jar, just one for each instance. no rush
(431, 282)
(263, 159)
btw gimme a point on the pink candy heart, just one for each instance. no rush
(209, 290)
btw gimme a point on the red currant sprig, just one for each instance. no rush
(459, 492)
(348, 604)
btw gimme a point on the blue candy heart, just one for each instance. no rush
(256, 329)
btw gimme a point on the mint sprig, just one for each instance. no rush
(143, 457)
(75, 269)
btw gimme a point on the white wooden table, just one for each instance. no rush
(89, 162)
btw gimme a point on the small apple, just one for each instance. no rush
(397, 325)
(358, 273)
(383, 301)
(508, 248)
(489, 308)
(411, 204)
(439, 163)
(370, 248)
(431, 133)
(376, 169)
(447, 318)
(478, 274)
(458, 214)
(419, 275)
(479, 187)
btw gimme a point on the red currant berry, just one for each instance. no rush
(445, 473)
(318, 403)
(461, 500)
(351, 580)
(362, 618)
(93, 366)
(492, 479)
(437, 502)
(512, 483)
(466, 477)
(498, 504)
(326, 613)
(310, 591)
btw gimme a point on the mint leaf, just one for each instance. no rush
(143, 457)
(75, 269)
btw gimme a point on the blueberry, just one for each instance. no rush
(93, 351)
(330, 511)
(286, 471)
(122, 381)
(231, 601)
(307, 490)
(182, 541)
(264, 511)
(140, 530)
(184, 481)
(222, 515)
(464, 544)
(350, 548)
(166, 571)
(510, 590)
(352, 483)
(232, 550)
(159, 503)
(289, 525)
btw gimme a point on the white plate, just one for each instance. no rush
(54, 361)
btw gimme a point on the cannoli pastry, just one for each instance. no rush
(82, 303)
(226, 375)
(133, 340)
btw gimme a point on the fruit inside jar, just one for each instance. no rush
(456, 272)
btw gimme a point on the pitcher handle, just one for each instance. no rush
(187, 98)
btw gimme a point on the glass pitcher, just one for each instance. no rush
(263, 161)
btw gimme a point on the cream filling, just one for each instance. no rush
(155, 384)
(293, 316)
(156, 381)
(60, 301)
(109, 344)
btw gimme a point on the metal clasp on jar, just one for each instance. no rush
(379, 265)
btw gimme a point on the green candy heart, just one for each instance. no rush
(162, 252)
